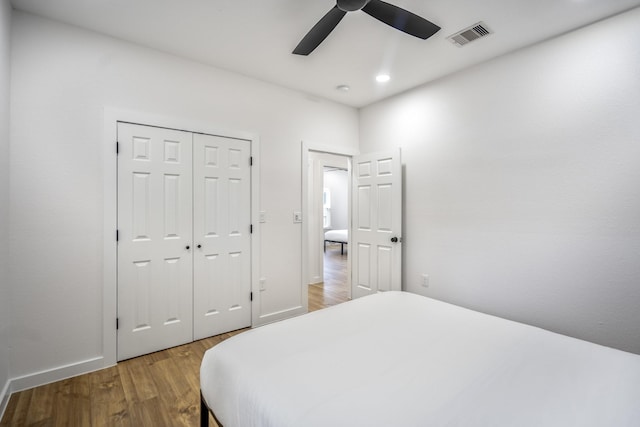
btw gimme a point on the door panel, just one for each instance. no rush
(377, 218)
(363, 265)
(154, 224)
(221, 221)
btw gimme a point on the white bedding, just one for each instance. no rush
(336, 236)
(399, 359)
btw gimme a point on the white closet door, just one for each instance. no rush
(375, 244)
(154, 247)
(221, 230)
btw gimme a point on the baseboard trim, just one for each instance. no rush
(26, 382)
(56, 374)
(280, 315)
(4, 398)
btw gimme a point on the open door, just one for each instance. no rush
(376, 231)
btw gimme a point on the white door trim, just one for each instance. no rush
(110, 196)
(306, 148)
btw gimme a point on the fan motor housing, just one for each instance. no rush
(351, 5)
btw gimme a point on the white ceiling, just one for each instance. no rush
(255, 37)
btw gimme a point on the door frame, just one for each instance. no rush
(111, 117)
(306, 209)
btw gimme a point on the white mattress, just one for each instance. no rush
(399, 359)
(336, 236)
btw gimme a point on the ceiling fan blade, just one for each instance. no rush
(401, 19)
(320, 31)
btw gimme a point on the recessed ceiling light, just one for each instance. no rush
(382, 78)
(343, 88)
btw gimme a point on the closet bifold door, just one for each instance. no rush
(221, 235)
(155, 248)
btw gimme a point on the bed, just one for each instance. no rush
(336, 236)
(400, 359)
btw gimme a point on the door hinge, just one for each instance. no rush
(251, 296)
(117, 147)
(250, 160)
(117, 323)
(117, 235)
(250, 228)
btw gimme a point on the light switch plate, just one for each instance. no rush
(297, 216)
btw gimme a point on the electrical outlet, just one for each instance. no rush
(263, 217)
(425, 280)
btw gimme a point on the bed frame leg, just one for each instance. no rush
(204, 412)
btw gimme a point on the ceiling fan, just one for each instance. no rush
(394, 16)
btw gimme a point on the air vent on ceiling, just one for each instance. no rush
(470, 34)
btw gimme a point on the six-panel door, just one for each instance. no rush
(376, 248)
(184, 266)
(221, 221)
(155, 292)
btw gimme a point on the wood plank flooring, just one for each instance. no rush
(159, 389)
(334, 290)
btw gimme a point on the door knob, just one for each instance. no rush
(199, 246)
(188, 247)
(394, 240)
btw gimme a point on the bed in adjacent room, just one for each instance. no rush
(336, 236)
(400, 359)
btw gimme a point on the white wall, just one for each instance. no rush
(63, 77)
(337, 181)
(5, 302)
(522, 183)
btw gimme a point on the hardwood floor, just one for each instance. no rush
(334, 289)
(159, 389)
